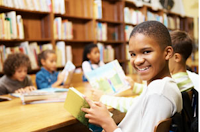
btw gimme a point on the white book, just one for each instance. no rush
(61, 46)
(68, 49)
(20, 26)
(68, 72)
(12, 16)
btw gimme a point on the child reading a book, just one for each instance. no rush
(150, 50)
(16, 80)
(91, 59)
(48, 76)
(177, 67)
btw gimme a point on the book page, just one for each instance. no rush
(109, 78)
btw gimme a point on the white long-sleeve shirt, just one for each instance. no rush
(160, 100)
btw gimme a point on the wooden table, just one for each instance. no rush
(14, 116)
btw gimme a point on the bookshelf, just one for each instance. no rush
(105, 22)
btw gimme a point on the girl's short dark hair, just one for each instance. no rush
(182, 43)
(155, 30)
(14, 61)
(43, 55)
(87, 50)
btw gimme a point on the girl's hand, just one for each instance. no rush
(130, 81)
(26, 89)
(61, 77)
(99, 115)
(96, 94)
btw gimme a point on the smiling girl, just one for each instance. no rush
(150, 50)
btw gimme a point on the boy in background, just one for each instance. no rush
(182, 45)
(16, 79)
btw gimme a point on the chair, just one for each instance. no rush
(163, 126)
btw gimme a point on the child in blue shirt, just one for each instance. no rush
(91, 59)
(48, 76)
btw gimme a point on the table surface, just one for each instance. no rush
(39, 117)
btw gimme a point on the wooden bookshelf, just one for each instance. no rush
(39, 26)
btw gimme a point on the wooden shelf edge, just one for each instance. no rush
(109, 21)
(111, 41)
(73, 17)
(75, 41)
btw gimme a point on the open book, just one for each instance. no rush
(46, 95)
(109, 78)
(68, 72)
(73, 104)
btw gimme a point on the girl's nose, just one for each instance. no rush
(138, 60)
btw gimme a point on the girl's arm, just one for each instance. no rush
(59, 81)
(99, 115)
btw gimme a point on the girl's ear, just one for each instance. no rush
(168, 52)
(42, 61)
(88, 56)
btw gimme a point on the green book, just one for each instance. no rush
(73, 104)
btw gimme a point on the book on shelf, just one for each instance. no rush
(63, 29)
(46, 95)
(97, 9)
(73, 104)
(109, 78)
(101, 29)
(58, 6)
(107, 52)
(37, 5)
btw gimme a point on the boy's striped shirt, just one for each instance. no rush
(123, 103)
(183, 81)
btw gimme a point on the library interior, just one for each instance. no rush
(67, 26)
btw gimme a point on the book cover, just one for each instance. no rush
(109, 78)
(73, 104)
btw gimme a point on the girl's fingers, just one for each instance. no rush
(90, 102)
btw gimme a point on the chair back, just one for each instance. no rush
(163, 126)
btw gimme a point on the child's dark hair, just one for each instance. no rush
(155, 30)
(181, 43)
(87, 50)
(43, 55)
(14, 61)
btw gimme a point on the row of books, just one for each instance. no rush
(154, 16)
(97, 9)
(63, 29)
(128, 30)
(37, 5)
(101, 29)
(11, 26)
(31, 49)
(107, 52)
(59, 6)
(173, 22)
(133, 16)
(64, 53)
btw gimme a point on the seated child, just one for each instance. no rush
(177, 66)
(16, 80)
(150, 50)
(182, 45)
(91, 59)
(48, 76)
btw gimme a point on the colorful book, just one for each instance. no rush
(109, 78)
(73, 104)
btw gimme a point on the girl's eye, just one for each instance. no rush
(146, 52)
(132, 54)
